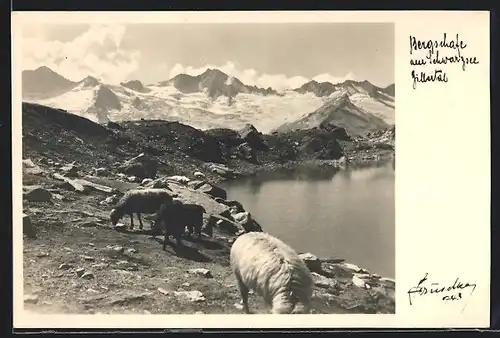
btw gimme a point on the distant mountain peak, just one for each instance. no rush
(135, 85)
(90, 81)
(44, 69)
(215, 83)
(44, 82)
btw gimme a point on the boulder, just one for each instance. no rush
(101, 171)
(312, 262)
(252, 137)
(322, 281)
(146, 181)
(196, 184)
(37, 194)
(199, 175)
(247, 222)
(179, 179)
(139, 166)
(246, 152)
(31, 168)
(212, 190)
(70, 170)
(234, 205)
(28, 228)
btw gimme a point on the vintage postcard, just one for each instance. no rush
(215, 169)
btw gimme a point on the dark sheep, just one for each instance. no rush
(174, 217)
(140, 201)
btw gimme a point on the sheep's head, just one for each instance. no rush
(114, 216)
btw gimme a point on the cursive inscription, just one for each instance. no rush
(447, 293)
(437, 53)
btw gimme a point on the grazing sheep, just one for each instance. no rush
(140, 201)
(173, 217)
(271, 268)
(193, 217)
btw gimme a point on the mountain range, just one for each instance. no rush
(214, 99)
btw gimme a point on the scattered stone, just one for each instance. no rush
(246, 221)
(198, 174)
(70, 184)
(358, 281)
(179, 179)
(70, 170)
(80, 272)
(132, 179)
(115, 248)
(212, 190)
(101, 171)
(31, 168)
(119, 226)
(163, 291)
(139, 166)
(192, 296)
(87, 275)
(312, 261)
(199, 313)
(196, 184)
(30, 299)
(322, 281)
(186, 284)
(122, 263)
(65, 266)
(127, 299)
(146, 181)
(110, 200)
(100, 265)
(238, 306)
(28, 228)
(42, 254)
(132, 251)
(88, 258)
(352, 267)
(88, 224)
(38, 194)
(201, 272)
(91, 244)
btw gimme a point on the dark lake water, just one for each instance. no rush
(347, 214)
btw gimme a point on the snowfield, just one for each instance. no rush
(196, 109)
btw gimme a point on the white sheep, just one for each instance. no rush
(140, 201)
(264, 264)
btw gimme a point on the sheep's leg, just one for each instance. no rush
(243, 293)
(140, 220)
(131, 221)
(165, 239)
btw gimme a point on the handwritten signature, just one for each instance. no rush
(452, 292)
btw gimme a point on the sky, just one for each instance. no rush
(281, 56)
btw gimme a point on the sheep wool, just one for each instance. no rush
(263, 263)
(140, 201)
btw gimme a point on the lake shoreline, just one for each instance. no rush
(331, 167)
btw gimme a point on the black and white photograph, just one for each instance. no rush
(188, 166)
(209, 168)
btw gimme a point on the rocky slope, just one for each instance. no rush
(210, 100)
(341, 111)
(76, 262)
